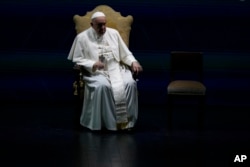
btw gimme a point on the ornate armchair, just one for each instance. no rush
(114, 20)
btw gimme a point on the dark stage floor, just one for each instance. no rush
(40, 140)
(37, 119)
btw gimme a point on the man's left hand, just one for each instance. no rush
(136, 67)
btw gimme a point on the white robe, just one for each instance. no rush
(110, 97)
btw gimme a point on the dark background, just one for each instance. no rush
(158, 25)
(37, 110)
(36, 77)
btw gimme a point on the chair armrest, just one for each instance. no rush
(78, 85)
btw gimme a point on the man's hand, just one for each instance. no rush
(98, 65)
(136, 67)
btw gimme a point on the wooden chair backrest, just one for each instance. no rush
(186, 62)
(114, 20)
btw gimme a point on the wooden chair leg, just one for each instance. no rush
(201, 113)
(77, 112)
(169, 113)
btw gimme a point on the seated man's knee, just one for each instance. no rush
(130, 83)
(104, 85)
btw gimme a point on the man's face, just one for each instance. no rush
(99, 25)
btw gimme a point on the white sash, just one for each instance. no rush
(112, 67)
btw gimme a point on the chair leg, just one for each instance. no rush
(78, 110)
(201, 113)
(169, 113)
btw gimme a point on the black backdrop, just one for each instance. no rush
(158, 25)
(36, 78)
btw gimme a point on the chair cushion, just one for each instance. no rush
(186, 87)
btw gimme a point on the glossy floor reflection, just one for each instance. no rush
(152, 149)
(143, 148)
(106, 150)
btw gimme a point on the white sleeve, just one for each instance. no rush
(77, 56)
(125, 54)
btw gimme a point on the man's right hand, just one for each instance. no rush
(98, 66)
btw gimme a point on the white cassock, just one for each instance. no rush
(110, 97)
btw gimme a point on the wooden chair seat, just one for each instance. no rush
(186, 87)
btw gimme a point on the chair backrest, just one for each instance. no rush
(114, 20)
(188, 64)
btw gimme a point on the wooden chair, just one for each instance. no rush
(186, 81)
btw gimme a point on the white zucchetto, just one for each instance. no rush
(97, 14)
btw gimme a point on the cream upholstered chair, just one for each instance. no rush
(186, 81)
(114, 20)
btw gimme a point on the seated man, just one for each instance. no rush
(110, 96)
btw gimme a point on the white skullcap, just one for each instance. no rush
(97, 14)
